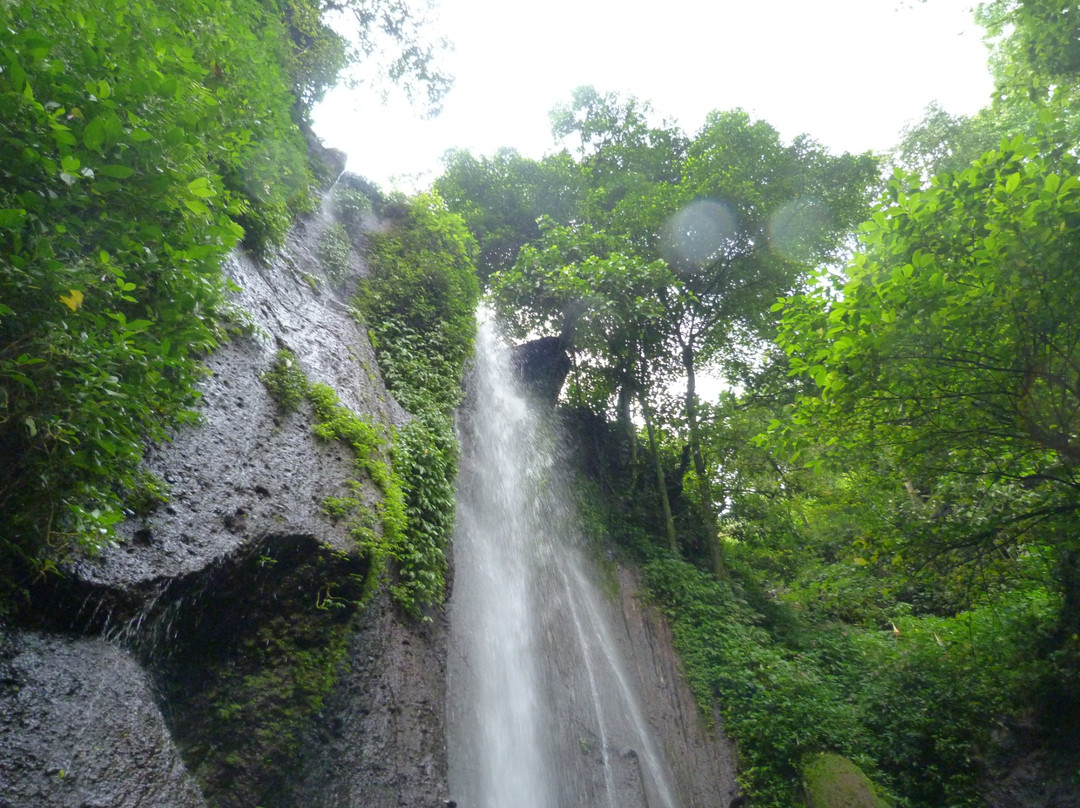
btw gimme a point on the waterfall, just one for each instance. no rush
(542, 710)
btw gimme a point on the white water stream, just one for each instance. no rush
(543, 711)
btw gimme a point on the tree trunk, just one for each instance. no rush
(627, 423)
(661, 480)
(708, 513)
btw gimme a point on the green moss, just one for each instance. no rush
(259, 701)
(286, 382)
(834, 781)
(335, 421)
(338, 507)
(333, 252)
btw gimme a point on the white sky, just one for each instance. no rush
(850, 73)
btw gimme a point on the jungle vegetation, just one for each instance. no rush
(139, 144)
(867, 541)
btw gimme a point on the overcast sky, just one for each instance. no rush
(850, 73)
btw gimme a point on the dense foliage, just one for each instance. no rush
(676, 251)
(867, 542)
(139, 143)
(419, 305)
(115, 141)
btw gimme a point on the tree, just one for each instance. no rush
(502, 199)
(1035, 45)
(387, 41)
(763, 214)
(631, 167)
(954, 347)
(610, 307)
(943, 142)
(734, 217)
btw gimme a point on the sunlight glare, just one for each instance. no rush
(796, 227)
(698, 232)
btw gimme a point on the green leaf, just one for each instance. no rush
(201, 188)
(1012, 183)
(117, 172)
(94, 134)
(195, 206)
(12, 217)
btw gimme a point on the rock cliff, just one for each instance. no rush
(232, 649)
(216, 656)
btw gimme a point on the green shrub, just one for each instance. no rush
(286, 382)
(913, 703)
(420, 304)
(935, 688)
(779, 703)
(425, 459)
(352, 207)
(334, 252)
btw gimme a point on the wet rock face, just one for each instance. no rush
(229, 612)
(79, 727)
(542, 366)
(383, 744)
(248, 470)
(703, 760)
(699, 760)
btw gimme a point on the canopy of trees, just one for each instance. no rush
(868, 542)
(664, 253)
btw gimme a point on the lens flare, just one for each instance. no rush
(698, 233)
(796, 230)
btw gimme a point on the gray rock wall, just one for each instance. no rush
(79, 727)
(702, 758)
(198, 664)
(207, 635)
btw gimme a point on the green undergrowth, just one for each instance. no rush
(139, 143)
(379, 529)
(419, 306)
(425, 459)
(250, 670)
(420, 302)
(915, 702)
(333, 252)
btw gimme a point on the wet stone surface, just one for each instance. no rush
(80, 719)
(79, 728)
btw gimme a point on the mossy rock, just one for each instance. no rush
(834, 781)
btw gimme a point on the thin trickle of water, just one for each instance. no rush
(542, 710)
(605, 744)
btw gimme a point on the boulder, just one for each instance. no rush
(79, 727)
(834, 781)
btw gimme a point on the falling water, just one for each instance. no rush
(542, 707)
